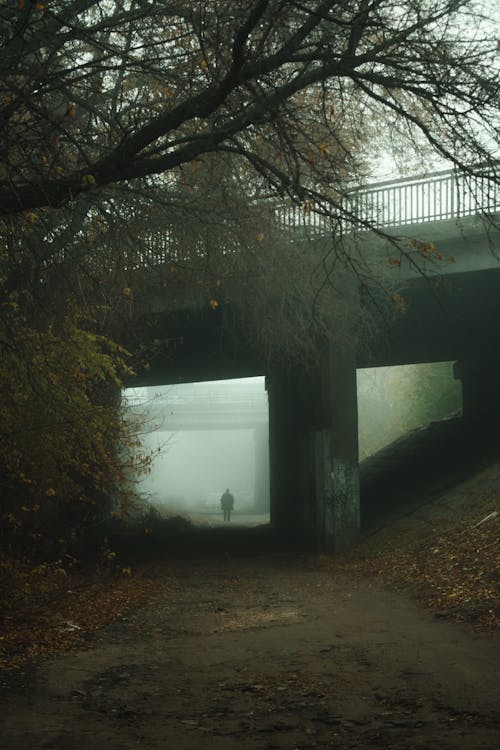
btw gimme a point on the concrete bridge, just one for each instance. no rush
(443, 224)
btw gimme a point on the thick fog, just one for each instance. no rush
(394, 400)
(205, 438)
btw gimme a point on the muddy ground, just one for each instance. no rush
(240, 644)
(262, 652)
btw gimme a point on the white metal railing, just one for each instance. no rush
(393, 203)
(415, 200)
(436, 197)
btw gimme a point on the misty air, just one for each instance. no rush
(204, 438)
(250, 375)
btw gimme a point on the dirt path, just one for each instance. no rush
(266, 653)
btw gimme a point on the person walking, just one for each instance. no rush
(227, 504)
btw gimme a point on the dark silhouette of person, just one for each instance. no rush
(227, 504)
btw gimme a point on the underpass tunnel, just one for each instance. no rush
(393, 401)
(204, 438)
(412, 438)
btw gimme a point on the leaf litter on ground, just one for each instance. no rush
(60, 611)
(446, 554)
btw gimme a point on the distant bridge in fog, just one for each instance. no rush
(202, 411)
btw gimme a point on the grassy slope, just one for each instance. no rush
(440, 554)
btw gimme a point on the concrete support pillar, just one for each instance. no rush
(340, 453)
(261, 454)
(313, 448)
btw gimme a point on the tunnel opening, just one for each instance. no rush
(204, 438)
(395, 401)
(410, 432)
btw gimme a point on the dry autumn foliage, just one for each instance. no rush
(52, 610)
(450, 565)
(65, 451)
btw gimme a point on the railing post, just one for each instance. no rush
(452, 195)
